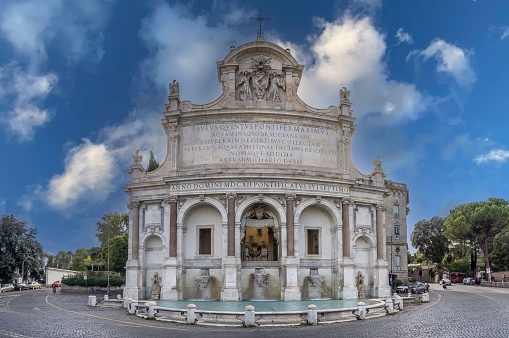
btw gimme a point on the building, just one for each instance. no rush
(258, 197)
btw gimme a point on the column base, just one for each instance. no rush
(134, 293)
(292, 290)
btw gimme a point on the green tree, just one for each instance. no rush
(78, 260)
(152, 163)
(63, 260)
(478, 222)
(17, 243)
(428, 237)
(118, 254)
(499, 256)
(112, 225)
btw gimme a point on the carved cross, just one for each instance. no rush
(260, 18)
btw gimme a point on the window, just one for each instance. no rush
(396, 231)
(397, 263)
(205, 241)
(313, 242)
(396, 211)
(259, 232)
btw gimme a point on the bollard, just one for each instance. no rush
(132, 307)
(398, 301)
(312, 315)
(151, 309)
(249, 316)
(54, 289)
(425, 297)
(409, 292)
(106, 297)
(361, 311)
(191, 316)
(119, 296)
(389, 305)
(92, 301)
(126, 302)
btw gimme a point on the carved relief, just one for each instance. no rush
(260, 79)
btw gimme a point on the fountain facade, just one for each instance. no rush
(314, 286)
(203, 285)
(261, 286)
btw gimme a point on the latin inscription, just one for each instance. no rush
(259, 184)
(253, 143)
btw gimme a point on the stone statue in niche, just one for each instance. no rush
(156, 287)
(361, 293)
(245, 88)
(276, 81)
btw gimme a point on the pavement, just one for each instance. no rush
(459, 311)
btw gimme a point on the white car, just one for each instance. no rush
(469, 281)
(447, 281)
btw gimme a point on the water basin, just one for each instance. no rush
(264, 305)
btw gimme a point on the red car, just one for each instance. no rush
(56, 284)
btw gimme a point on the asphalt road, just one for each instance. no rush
(459, 311)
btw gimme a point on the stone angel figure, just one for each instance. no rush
(276, 81)
(242, 81)
(344, 95)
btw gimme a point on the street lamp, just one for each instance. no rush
(109, 261)
(391, 277)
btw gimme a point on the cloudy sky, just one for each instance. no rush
(83, 85)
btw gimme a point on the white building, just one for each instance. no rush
(258, 197)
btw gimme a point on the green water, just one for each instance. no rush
(264, 305)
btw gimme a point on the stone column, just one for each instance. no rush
(346, 227)
(290, 198)
(379, 233)
(231, 223)
(172, 201)
(135, 205)
(133, 273)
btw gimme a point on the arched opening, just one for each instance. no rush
(260, 235)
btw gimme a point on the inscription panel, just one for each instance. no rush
(259, 143)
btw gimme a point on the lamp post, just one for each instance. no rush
(391, 278)
(109, 261)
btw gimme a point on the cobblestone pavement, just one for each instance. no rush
(459, 311)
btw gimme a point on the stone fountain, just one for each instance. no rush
(260, 284)
(314, 284)
(203, 285)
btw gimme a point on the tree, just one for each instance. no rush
(152, 163)
(478, 222)
(17, 243)
(500, 258)
(112, 225)
(78, 260)
(63, 260)
(118, 253)
(428, 237)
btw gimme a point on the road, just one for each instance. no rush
(459, 311)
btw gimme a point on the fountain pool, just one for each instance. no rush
(264, 305)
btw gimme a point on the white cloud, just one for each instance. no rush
(451, 59)
(89, 169)
(496, 155)
(403, 36)
(26, 91)
(189, 58)
(349, 52)
(505, 33)
(74, 26)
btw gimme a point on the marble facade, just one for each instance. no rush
(258, 192)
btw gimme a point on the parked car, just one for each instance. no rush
(419, 288)
(56, 284)
(7, 287)
(404, 288)
(446, 281)
(20, 286)
(34, 285)
(469, 281)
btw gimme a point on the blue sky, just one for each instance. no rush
(83, 85)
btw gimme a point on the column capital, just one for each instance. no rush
(133, 204)
(171, 199)
(346, 200)
(231, 195)
(290, 197)
(381, 207)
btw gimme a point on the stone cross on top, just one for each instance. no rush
(260, 18)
